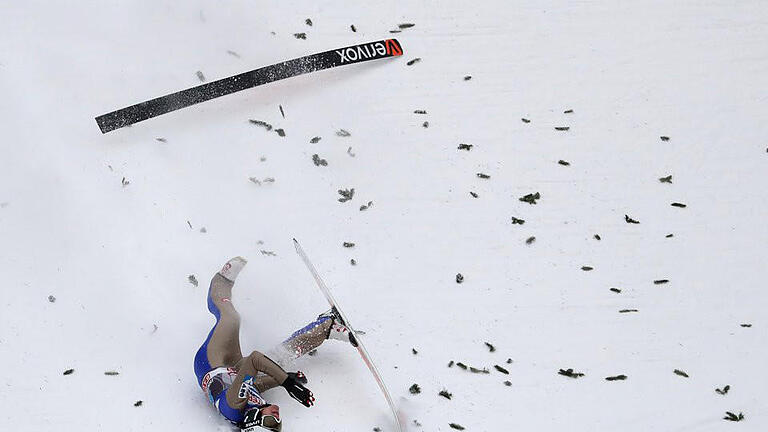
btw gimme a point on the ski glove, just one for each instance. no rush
(298, 376)
(293, 385)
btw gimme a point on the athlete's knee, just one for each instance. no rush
(224, 304)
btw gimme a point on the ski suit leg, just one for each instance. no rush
(304, 340)
(222, 346)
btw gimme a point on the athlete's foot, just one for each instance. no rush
(342, 333)
(232, 268)
(338, 329)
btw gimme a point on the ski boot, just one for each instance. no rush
(232, 268)
(338, 329)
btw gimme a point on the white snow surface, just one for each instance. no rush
(117, 257)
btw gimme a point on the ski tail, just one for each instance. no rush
(287, 69)
(360, 347)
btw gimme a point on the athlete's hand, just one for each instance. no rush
(298, 376)
(296, 389)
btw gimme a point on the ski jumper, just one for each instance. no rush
(234, 383)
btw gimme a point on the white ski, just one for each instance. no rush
(360, 348)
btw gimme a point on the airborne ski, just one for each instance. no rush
(360, 348)
(290, 68)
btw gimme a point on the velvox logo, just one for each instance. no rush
(371, 50)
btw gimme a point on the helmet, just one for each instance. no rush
(255, 417)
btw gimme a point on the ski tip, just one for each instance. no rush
(393, 47)
(295, 241)
(100, 120)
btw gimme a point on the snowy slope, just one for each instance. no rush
(117, 257)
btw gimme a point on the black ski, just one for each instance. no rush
(290, 68)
